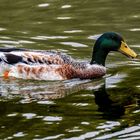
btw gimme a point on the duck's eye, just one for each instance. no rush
(125, 46)
(112, 37)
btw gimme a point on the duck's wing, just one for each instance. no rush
(9, 58)
(33, 57)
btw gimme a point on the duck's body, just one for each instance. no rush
(50, 65)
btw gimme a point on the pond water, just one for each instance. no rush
(106, 108)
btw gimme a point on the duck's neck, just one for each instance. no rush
(99, 56)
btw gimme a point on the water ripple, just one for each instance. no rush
(75, 129)
(49, 37)
(74, 44)
(122, 132)
(9, 42)
(19, 134)
(52, 118)
(44, 5)
(134, 29)
(50, 137)
(84, 136)
(108, 124)
(29, 115)
(73, 31)
(2, 29)
(80, 104)
(25, 42)
(66, 6)
(46, 102)
(111, 81)
(63, 18)
(134, 135)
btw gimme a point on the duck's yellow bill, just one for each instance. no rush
(127, 51)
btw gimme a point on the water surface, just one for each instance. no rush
(106, 108)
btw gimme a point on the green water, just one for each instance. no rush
(106, 108)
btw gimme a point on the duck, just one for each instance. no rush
(52, 65)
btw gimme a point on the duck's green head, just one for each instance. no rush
(107, 42)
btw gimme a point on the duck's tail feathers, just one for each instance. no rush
(11, 58)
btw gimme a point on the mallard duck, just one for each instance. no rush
(51, 65)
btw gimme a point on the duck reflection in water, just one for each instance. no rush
(31, 92)
(110, 109)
